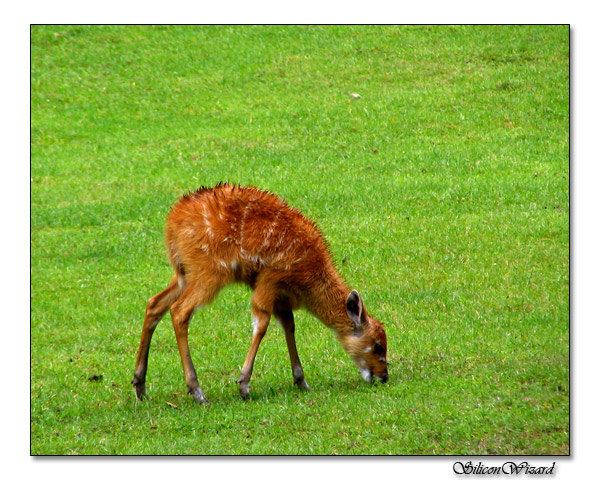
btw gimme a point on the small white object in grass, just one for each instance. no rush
(355, 95)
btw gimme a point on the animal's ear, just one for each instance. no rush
(354, 309)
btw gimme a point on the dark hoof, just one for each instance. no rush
(140, 388)
(302, 385)
(245, 391)
(140, 392)
(198, 395)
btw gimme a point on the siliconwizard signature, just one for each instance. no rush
(508, 468)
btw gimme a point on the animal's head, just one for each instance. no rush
(367, 343)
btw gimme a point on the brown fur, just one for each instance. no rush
(216, 236)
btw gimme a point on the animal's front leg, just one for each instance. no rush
(286, 318)
(260, 322)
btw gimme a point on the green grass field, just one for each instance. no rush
(443, 191)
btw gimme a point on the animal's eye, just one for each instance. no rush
(378, 349)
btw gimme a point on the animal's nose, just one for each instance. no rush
(384, 378)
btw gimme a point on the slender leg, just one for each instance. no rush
(260, 322)
(181, 314)
(155, 309)
(286, 318)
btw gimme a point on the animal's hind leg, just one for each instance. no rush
(286, 319)
(155, 309)
(192, 299)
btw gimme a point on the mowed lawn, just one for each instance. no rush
(442, 187)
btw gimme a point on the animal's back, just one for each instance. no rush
(238, 232)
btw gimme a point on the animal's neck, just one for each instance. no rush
(328, 300)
